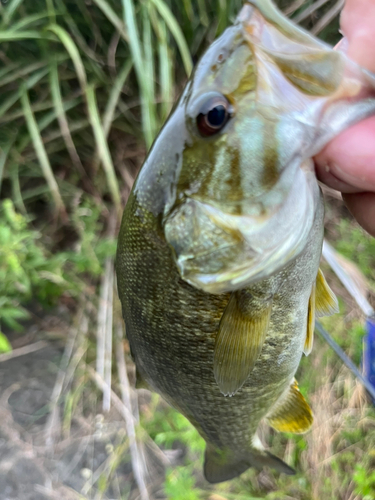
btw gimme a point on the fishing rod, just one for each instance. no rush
(368, 381)
(345, 359)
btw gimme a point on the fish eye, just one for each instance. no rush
(213, 116)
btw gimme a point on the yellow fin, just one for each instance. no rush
(292, 414)
(310, 322)
(220, 465)
(238, 344)
(326, 300)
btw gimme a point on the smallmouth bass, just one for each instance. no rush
(219, 248)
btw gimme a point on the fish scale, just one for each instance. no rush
(219, 247)
(179, 365)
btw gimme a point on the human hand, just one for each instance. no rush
(347, 164)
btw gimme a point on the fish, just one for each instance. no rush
(220, 242)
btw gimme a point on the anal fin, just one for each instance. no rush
(292, 414)
(326, 301)
(238, 344)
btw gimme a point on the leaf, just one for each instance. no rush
(4, 343)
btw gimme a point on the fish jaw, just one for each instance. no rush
(220, 252)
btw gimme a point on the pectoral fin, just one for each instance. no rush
(238, 344)
(326, 301)
(310, 323)
(292, 414)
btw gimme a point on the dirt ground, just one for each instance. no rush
(39, 458)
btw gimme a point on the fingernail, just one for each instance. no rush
(343, 45)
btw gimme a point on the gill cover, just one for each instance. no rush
(243, 198)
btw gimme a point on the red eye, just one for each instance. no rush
(213, 116)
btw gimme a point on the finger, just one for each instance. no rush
(362, 206)
(327, 177)
(357, 23)
(348, 162)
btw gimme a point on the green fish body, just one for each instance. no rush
(219, 248)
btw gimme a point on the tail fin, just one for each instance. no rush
(222, 465)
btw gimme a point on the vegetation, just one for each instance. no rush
(85, 87)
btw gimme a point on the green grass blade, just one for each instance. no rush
(176, 31)
(62, 119)
(13, 98)
(21, 72)
(16, 188)
(138, 59)
(73, 52)
(11, 36)
(222, 16)
(165, 72)
(114, 96)
(189, 10)
(70, 22)
(203, 13)
(4, 152)
(76, 126)
(51, 11)
(112, 103)
(102, 145)
(41, 152)
(7, 69)
(28, 20)
(39, 106)
(10, 10)
(149, 75)
(111, 15)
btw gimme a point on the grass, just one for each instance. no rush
(76, 75)
(85, 87)
(71, 69)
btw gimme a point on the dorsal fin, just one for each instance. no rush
(326, 301)
(292, 414)
(310, 322)
(238, 344)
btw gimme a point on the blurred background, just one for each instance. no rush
(85, 86)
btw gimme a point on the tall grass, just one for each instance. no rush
(75, 76)
(73, 72)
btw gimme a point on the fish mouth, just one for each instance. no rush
(219, 252)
